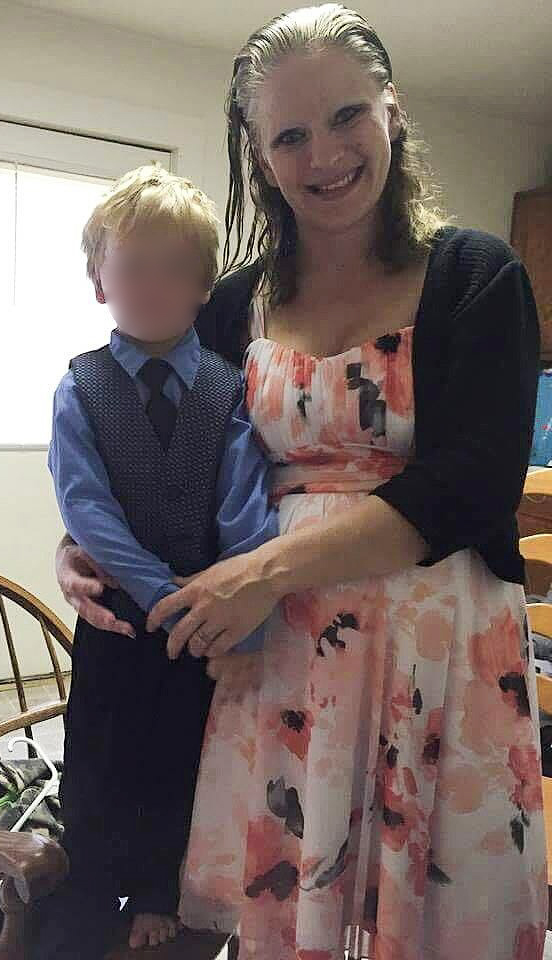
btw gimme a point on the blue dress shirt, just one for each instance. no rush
(95, 518)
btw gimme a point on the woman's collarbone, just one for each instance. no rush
(331, 326)
(332, 332)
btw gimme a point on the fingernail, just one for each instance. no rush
(131, 634)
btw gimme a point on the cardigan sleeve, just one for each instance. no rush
(458, 494)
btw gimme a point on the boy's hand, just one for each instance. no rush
(82, 583)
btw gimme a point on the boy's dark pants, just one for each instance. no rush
(135, 725)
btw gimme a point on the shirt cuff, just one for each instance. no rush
(165, 591)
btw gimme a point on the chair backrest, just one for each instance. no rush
(540, 619)
(537, 547)
(538, 484)
(53, 631)
(537, 552)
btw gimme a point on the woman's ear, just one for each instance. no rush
(206, 297)
(394, 112)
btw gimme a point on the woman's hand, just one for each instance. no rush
(82, 581)
(226, 602)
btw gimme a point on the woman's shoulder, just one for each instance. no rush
(222, 322)
(464, 262)
(234, 289)
(472, 252)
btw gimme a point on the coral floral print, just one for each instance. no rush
(381, 791)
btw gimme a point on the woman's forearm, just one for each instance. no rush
(231, 598)
(369, 539)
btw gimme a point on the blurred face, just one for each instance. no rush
(153, 282)
(325, 130)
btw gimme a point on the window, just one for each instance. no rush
(49, 183)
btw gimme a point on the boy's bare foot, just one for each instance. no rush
(151, 929)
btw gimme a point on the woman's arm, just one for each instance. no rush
(461, 491)
(82, 583)
(368, 540)
(232, 597)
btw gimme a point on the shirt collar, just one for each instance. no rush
(183, 358)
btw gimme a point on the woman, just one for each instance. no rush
(373, 776)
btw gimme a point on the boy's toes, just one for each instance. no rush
(166, 930)
(151, 929)
(137, 937)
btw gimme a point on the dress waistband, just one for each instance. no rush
(360, 475)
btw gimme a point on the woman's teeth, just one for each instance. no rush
(344, 182)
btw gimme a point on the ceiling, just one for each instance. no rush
(493, 53)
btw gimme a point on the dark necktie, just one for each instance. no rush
(159, 408)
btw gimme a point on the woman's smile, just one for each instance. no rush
(340, 186)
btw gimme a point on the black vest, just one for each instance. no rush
(168, 497)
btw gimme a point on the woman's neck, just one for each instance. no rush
(332, 258)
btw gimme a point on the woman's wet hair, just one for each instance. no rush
(409, 215)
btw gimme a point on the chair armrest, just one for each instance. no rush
(35, 864)
(28, 718)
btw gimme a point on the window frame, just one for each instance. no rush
(75, 154)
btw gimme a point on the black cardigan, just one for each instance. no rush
(476, 360)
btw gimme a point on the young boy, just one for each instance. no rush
(157, 474)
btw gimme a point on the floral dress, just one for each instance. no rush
(380, 790)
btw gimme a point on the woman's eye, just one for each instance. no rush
(347, 113)
(289, 137)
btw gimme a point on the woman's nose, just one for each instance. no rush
(326, 150)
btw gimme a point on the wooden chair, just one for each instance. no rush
(540, 618)
(32, 866)
(52, 629)
(538, 483)
(537, 552)
(535, 510)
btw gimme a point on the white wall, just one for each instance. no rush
(29, 530)
(60, 71)
(482, 161)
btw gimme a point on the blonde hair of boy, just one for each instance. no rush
(150, 194)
